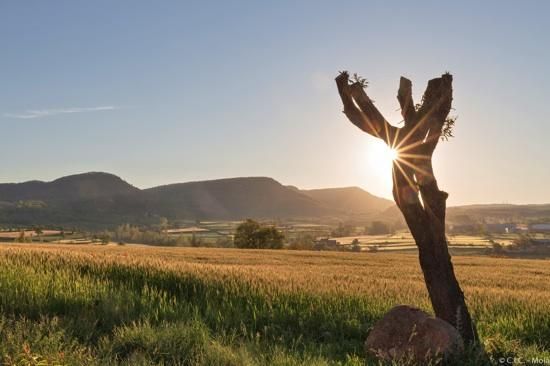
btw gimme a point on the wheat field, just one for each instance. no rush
(137, 305)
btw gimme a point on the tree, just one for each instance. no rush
(195, 241)
(342, 230)
(163, 224)
(105, 239)
(252, 235)
(355, 246)
(21, 238)
(415, 188)
(378, 228)
(302, 242)
(38, 231)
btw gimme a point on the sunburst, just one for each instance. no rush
(406, 161)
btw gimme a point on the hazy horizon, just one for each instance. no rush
(176, 92)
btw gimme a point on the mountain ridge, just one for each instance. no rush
(103, 198)
(99, 199)
(72, 187)
(353, 200)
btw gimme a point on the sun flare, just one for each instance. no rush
(385, 155)
(376, 166)
(392, 154)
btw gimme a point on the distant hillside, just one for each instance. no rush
(70, 188)
(98, 200)
(235, 198)
(349, 200)
(82, 200)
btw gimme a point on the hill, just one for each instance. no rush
(89, 200)
(76, 187)
(235, 198)
(349, 200)
(99, 200)
(96, 200)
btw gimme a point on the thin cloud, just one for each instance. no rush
(40, 113)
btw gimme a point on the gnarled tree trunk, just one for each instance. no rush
(415, 188)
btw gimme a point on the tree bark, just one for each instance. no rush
(415, 188)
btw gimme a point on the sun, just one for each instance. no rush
(386, 155)
(392, 154)
(375, 165)
(379, 158)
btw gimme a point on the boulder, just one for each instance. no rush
(409, 334)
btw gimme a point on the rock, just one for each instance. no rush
(409, 334)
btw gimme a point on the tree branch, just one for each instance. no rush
(361, 111)
(436, 105)
(404, 96)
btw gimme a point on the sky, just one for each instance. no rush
(160, 92)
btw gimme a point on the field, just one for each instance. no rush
(137, 305)
(458, 244)
(10, 235)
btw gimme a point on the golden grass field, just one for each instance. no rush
(259, 306)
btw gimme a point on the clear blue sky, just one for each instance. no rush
(171, 91)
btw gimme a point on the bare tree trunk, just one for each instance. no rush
(415, 188)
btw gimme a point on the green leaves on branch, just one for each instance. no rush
(447, 130)
(360, 80)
